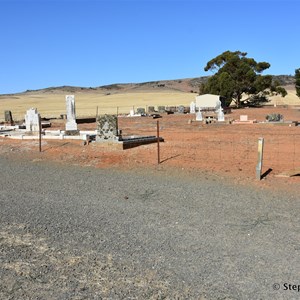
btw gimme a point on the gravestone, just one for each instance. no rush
(180, 109)
(107, 128)
(192, 107)
(151, 109)
(8, 117)
(71, 113)
(161, 109)
(243, 118)
(274, 118)
(221, 117)
(140, 111)
(32, 120)
(199, 116)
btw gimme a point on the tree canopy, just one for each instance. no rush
(236, 75)
(297, 84)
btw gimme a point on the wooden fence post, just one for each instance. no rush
(259, 158)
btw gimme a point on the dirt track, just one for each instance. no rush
(83, 233)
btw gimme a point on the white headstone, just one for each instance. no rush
(199, 116)
(131, 113)
(193, 107)
(71, 113)
(221, 117)
(243, 118)
(32, 120)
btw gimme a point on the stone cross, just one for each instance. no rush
(32, 120)
(71, 113)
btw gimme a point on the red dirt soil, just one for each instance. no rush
(224, 150)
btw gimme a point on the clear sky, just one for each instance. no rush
(92, 43)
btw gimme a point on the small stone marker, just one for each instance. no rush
(161, 109)
(181, 109)
(71, 113)
(243, 118)
(151, 109)
(140, 111)
(32, 120)
(8, 117)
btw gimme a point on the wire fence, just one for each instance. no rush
(227, 149)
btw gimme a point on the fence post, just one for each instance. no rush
(40, 133)
(259, 158)
(158, 149)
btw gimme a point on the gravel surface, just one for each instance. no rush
(82, 233)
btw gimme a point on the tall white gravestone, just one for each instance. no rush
(192, 107)
(221, 117)
(71, 113)
(32, 120)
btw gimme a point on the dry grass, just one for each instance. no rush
(52, 105)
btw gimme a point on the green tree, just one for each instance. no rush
(236, 75)
(297, 84)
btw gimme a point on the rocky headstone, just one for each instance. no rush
(161, 109)
(180, 109)
(140, 111)
(8, 117)
(71, 113)
(107, 129)
(151, 109)
(274, 118)
(32, 120)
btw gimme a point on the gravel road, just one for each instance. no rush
(69, 232)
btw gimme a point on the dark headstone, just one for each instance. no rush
(140, 111)
(8, 117)
(161, 109)
(181, 109)
(151, 109)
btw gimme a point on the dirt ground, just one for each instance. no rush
(225, 150)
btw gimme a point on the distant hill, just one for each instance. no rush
(182, 85)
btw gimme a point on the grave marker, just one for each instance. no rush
(71, 113)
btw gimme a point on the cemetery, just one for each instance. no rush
(199, 137)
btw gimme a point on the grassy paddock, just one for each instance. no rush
(52, 105)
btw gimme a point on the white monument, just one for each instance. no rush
(221, 117)
(208, 101)
(192, 107)
(32, 120)
(199, 116)
(71, 113)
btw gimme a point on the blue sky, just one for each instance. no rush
(93, 43)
